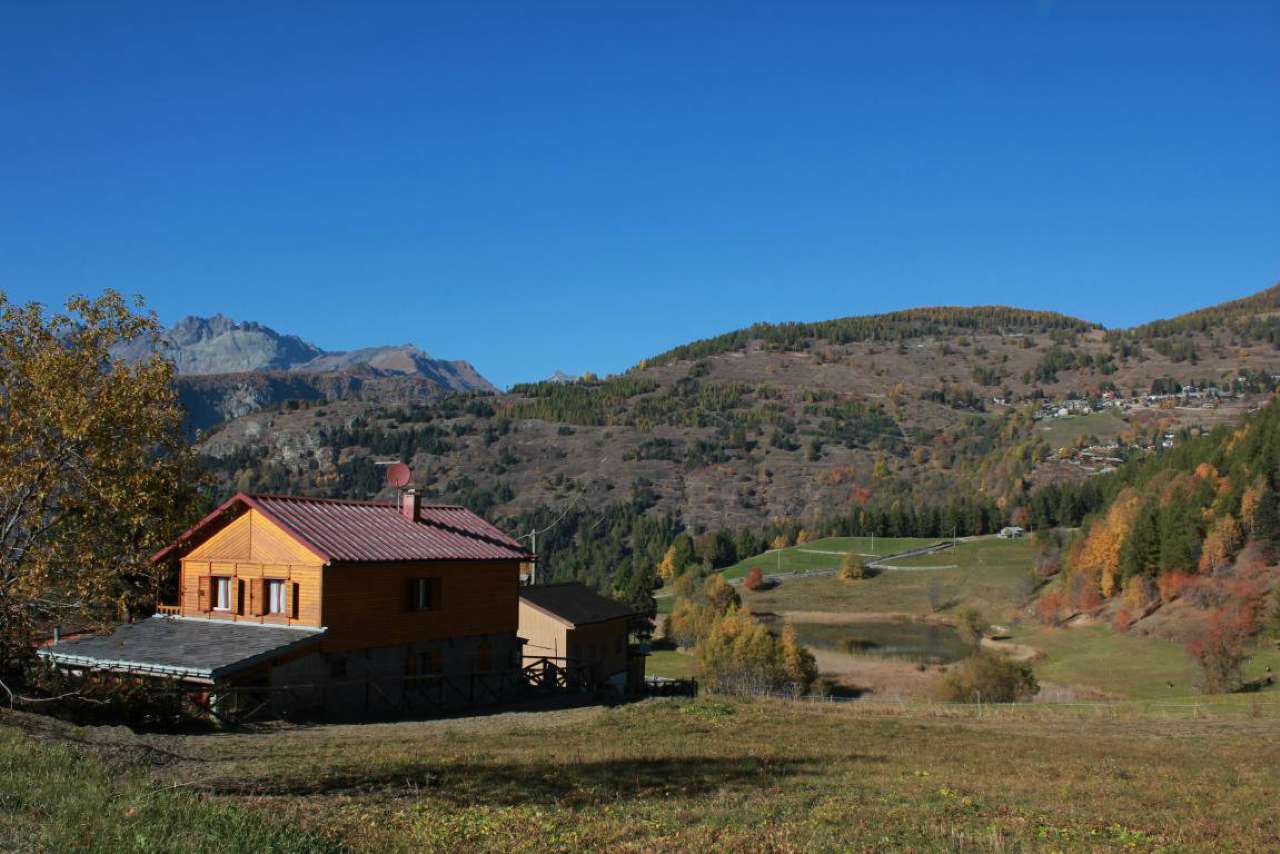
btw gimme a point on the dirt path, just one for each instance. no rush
(1016, 651)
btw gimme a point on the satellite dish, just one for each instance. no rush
(398, 475)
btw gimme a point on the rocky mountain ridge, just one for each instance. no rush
(228, 368)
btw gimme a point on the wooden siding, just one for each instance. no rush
(543, 633)
(249, 549)
(609, 640)
(254, 538)
(366, 604)
(546, 635)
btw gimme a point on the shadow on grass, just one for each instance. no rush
(517, 783)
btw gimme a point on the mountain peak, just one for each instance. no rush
(219, 344)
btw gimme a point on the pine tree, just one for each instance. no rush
(1140, 554)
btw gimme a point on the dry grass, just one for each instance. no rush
(763, 775)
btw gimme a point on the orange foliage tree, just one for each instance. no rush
(1097, 556)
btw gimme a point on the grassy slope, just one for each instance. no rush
(1063, 432)
(737, 776)
(987, 577)
(987, 573)
(53, 798)
(812, 556)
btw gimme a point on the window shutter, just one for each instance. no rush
(258, 597)
(410, 594)
(437, 600)
(293, 599)
(204, 601)
(240, 596)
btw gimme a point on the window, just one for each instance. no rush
(275, 596)
(424, 594)
(221, 593)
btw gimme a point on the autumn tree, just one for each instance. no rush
(971, 625)
(798, 670)
(680, 555)
(1224, 539)
(852, 567)
(698, 607)
(754, 580)
(740, 656)
(1098, 554)
(1222, 649)
(95, 472)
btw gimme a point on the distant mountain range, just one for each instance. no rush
(220, 345)
(228, 368)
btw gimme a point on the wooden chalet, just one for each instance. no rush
(411, 606)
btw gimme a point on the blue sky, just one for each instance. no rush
(534, 186)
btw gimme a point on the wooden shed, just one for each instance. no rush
(571, 622)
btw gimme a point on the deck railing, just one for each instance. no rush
(172, 610)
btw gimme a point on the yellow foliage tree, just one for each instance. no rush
(667, 566)
(1098, 555)
(1251, 501)
(1221, 543)
(798, 666)
(95, 472)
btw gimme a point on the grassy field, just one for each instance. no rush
(56, 797)
(1063, 432)
(1125, 665)
(824, 554)
(675, 776)
(989, 574)
(984, 573)
(669, 663)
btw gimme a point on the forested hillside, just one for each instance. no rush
(915, 422)
(1189, 510)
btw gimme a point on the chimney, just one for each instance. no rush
(410, 504)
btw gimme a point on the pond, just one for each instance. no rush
(910, 640)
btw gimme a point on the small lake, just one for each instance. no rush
(909, 640)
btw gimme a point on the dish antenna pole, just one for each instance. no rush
(398, 474)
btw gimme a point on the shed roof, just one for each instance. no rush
(366, 531)
(574, 603)
(182, 648)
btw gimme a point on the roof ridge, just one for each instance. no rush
(358, 502)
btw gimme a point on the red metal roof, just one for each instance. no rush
(366, 531)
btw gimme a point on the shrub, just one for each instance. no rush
(971, 625)
(989, 678)
(852, 568)
(1123, 621)
(1171, 585)
(1049, 607)
(754, 579)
